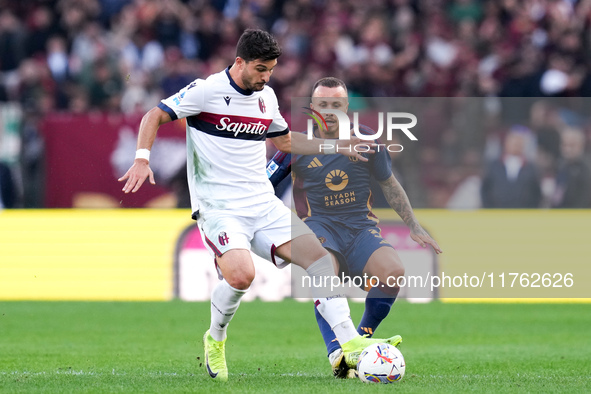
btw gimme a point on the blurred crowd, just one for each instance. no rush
(125, 55)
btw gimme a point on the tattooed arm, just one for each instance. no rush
(398, 200)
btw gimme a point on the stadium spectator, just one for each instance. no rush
(57, 58)
(12, 41)
(105, 86)
(41, 26)
(7, 188)
(177, 73)
(512, 181)
(573, 178)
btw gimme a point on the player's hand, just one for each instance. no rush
(355, 146)
(421, 237)
(136, 176)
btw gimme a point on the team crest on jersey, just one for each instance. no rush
(223, 238)
(262, 106)
(336, 180)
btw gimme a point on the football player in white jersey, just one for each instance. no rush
(229, 115)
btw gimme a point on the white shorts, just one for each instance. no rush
(260, 228)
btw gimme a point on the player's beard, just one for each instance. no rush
(253, 86)
(258, 86)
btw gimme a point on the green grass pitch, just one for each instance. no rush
(275, 347)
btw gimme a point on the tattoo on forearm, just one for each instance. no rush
(398, 200)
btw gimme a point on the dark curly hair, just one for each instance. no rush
(257, 44)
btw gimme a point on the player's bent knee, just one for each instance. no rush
(240, 280)
(237, 268)
(397, 272)
(390, 280)
(240, 276)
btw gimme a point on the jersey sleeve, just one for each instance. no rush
(381, 165)
(278, 126)
(278, 168)
(188, 101)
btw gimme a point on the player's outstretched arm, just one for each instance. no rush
(299, 144)
(398, 200)
(140, 170)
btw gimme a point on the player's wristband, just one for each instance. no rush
(142, 154)
(332, 149)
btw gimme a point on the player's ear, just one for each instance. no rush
(240, 62)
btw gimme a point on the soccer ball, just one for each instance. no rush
(380, 363)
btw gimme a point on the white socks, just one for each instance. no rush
(320, 273)
(333, 307)
(335, 310)
(224, 302)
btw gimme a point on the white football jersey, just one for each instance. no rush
(226, 131)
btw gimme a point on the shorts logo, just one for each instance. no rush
(223, 238)
(336, 180)
(322, 240)
(262, 106)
